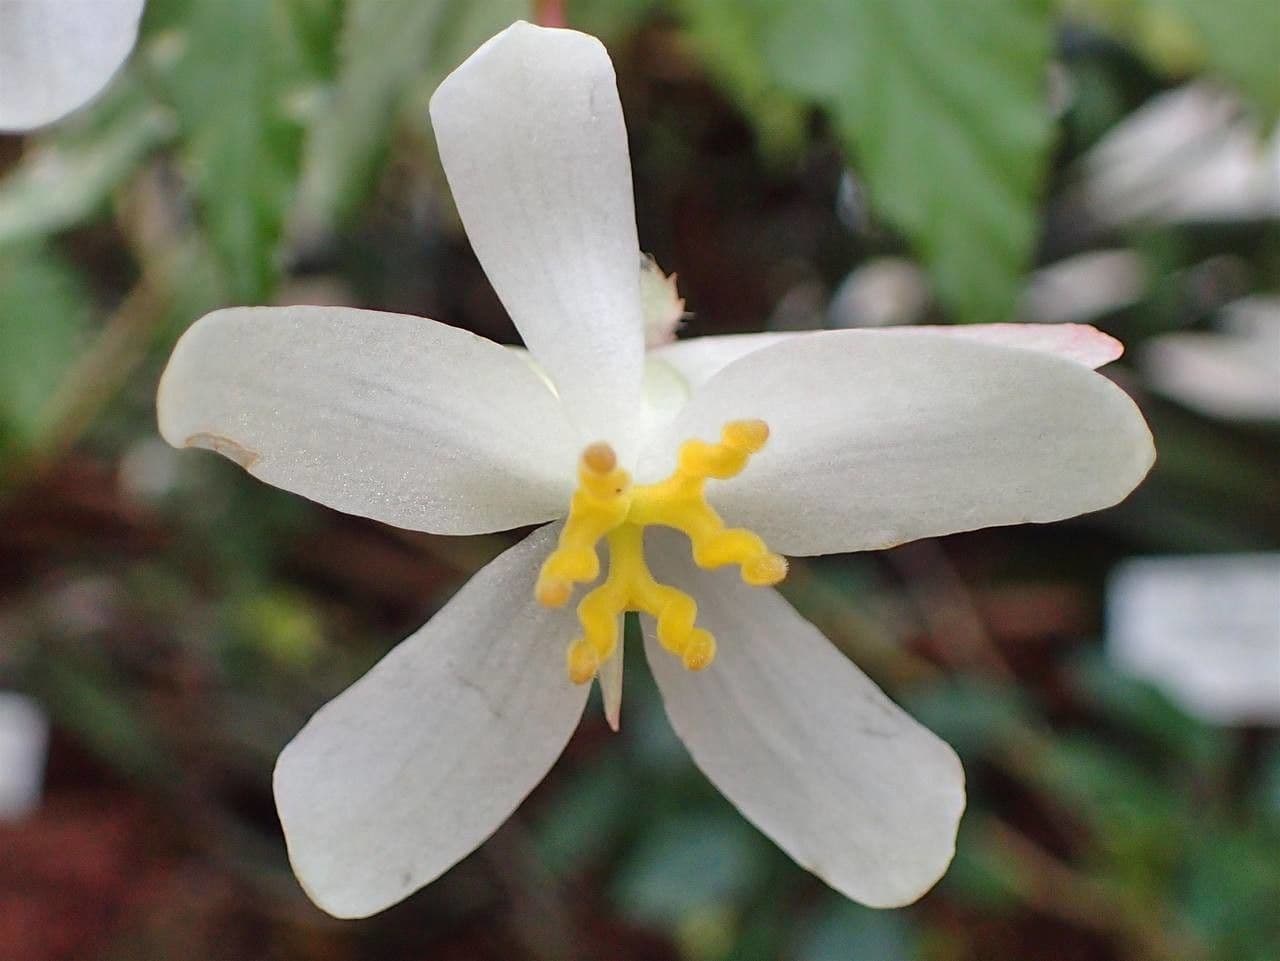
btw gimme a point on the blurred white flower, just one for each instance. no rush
(1232, 373)
(1192, 154)
(883, 292)
(873, 438)
(891, 291)
(148, 471)
(1084, 287)
(57, 55)
(24, 742)
(1205, 628)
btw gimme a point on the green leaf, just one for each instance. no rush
(845, 931)
(64, 181)
(44, 314)
(584, 818)
(314, 26)
(388, 49)
(1235, 39)
(729, 36)
(688, 865)
(1232, 888)
(89, 698)
(970, 714)
(1146, 711)
(233, 90)
(941, 106)
(609, 19)
(983, 873)
(1138, 821)
(1240, 38)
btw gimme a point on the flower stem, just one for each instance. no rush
(550, 13)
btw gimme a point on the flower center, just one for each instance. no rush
(606, 505)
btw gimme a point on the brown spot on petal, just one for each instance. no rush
(225, 446)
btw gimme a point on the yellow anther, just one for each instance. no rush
(598, 473)
(700, 651)
(747, 435)
(765, 570)
(599, 458)
(552, 591)
(607, 506)
(598, 506)
(582, 661)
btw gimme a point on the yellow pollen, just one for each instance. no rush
(606, 506)
(599, 458)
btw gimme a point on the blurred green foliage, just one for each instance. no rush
(251, 147)
(1235, 38)
(233, 87)
(941, 108)
(45, 315)
(385, 48)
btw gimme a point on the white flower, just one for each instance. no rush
(1204, 628)
(24, 746)
(873, 438)
(56, 55)
(1232, 372)
(1188, 155)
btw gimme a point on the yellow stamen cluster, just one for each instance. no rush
(606, 505)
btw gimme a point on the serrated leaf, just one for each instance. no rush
(941, 106)
(44, 313)
(232, 89)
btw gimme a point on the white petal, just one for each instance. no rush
(532, 140)
(1079, 342)
(414, 765)
(805, 745)
(383, 415)
(880, 437)
(610, 677)
(698, 359)
(665, 393)
(55, 55)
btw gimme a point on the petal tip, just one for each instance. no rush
(312, 870)
(1112, 348)
(520, 41)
